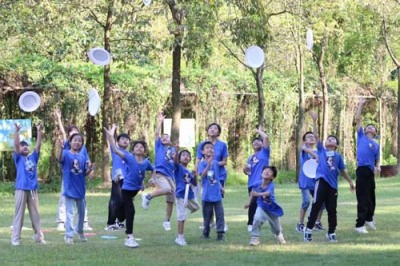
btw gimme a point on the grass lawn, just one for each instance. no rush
(157, 246)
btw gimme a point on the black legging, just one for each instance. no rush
(116, 204)
(365, 191)
(127, 196)
(252, 209)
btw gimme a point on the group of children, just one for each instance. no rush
(172, 178)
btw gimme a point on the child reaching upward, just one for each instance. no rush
(267, 208)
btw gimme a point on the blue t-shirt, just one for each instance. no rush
(211, 184)
(119, 167)
(330, 164)
(268, 204)
(26, 171)
(74, 167)
(257, 162)
(367, 150)
(164, 162)
(220, 152)
(136, 172)
(304, 181)
(181, 175)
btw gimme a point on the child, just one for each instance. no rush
(330, 164)
(61, 216)
(212, 191)
(116, 211)
(184, 180)
(137, 166)
(367, 165)
(306, 184)
(75, 165)
(26, 186)
(254, 167)
(164, 178)
(267, 208)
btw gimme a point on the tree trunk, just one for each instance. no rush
(106, 106)
(301, 111)
(324, 84)
(258, 75)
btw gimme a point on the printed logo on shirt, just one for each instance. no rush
(254, 160)
(29, 166)
(330, 160)
(211, 177)
(76, 168)
(169, 155)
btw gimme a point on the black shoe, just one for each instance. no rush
(220, 237)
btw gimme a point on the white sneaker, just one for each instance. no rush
(281, 240)
(15, 243)
(145, 201)
(371, 225)
(180, 241)
(226, 228)
(166, 225)
(249, 228)
(68, 240)
(131, 243)
(361, 230)
(86, 227)
(254, 241)
(60, 227)
(83, 238)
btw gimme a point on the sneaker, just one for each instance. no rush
(119, 225)
(86, 227)
(220, 237)
(318, 227)
(38, 238)
(131, 243)
(226, 228)
(331, 237)
(180, 241)
(111, 227)
(300, 227)
(281, 240)
(249, 228)
(206, 236)
(166, 225)
(82, 237)
(68, 240)
(145, 201)
(15, 243)
(361, 230)
(307, 235)
(254, 241)
(60, 227)
(371, 225)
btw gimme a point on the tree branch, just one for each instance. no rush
(237, 58)
(389, 49)
(94, 16)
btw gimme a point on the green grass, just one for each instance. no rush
(157, 246)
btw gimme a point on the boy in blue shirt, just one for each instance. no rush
(367, 165)
(184, 180)
(254, 168)
(208, 170)
(164, 177)
(26, 186)
(116, 211)
(330, 164)
(267, 208)
(137, 165)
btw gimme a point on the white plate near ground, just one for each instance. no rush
(254, 56)
(94, 102)
(29, 101)
(99, 56)
(310, 168)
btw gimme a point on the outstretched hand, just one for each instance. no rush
(111, 130)
(160, 117)
(313, 115)
(17, 127)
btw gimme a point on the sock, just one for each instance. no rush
(181, 236)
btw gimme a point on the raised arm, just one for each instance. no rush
(209, 164)
(160, 119)
(16, 138)
(39, 128)
(110, 137)
(57, 112)
(358, 113)
(314, 117)
(264, 136)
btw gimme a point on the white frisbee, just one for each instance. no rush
(310, 168)
(29, 101)
(94, 102)
(99, 56)
(147, 2)
(185, 199)
(254, 56)
(310, 39)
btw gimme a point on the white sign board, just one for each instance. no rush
(186, 131)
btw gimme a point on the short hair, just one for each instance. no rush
(273, 169)
(376, 130)
(206, 143)
(123, 135)
(183, 151)
(333, 136)
(23, 143)
(305, 134)
(256, 138)
(217, 125)
(76, 134)
(71, 127)
(136, 142)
